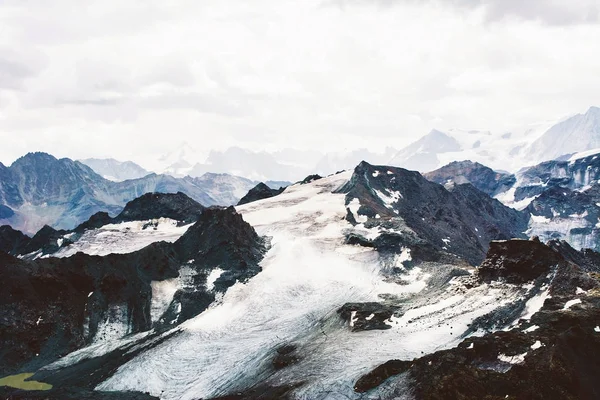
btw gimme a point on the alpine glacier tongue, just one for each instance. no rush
(308, 274)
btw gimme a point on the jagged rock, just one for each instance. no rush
(48, 240)
(94, 222)
(518, 261)
(178, 206)
(259, 192)
(12, 241)
(462, 221)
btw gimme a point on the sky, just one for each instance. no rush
(134, 79)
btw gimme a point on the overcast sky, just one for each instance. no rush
(132, 79)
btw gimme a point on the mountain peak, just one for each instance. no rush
(593, 110)
(177, 206)
(36, 156)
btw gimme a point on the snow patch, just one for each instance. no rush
(571, 303)
(535, 304)
(390, 198)
(212, 278)
(536, 345)
(517, 359)
(531, 329)
(125, 237)
(162, 296)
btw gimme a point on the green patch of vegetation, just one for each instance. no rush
(19, 382)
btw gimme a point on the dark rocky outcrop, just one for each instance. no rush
(259, 192)
(310, 179)
(380, 374)
(96, 221)
(462, 221)
(47, 240)
(483, 178)
(367, 316)
(177, 206)
(518, 261)
(12, 241)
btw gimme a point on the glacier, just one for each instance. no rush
(308, 274)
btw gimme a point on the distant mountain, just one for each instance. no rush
(38, 190)
(561, 198)
(578, 133)
(422, 155)
(180, 161)
(339, 161)
(257, 166)
(483, 178)
(499, 150)
(114, 170)
(259, 192)
(225, 189)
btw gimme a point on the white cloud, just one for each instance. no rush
(134, 79)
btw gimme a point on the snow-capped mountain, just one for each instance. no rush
(38, 190)
(505, 151)
(422, 155)
(180, 161)
(114, 170)
(358, 285)
(561, 198)
(576, 134)
(257, 166)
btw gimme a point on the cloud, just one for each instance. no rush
(133, 79)
(14, 70)
(551, 12)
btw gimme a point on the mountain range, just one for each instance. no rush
(504, 150)
(38, 189)
(508, 151)
(371, 282)
(470, 281)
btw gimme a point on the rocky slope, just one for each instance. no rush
(54, 306)
(549, 354)
(560, 197)
(462, 221)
